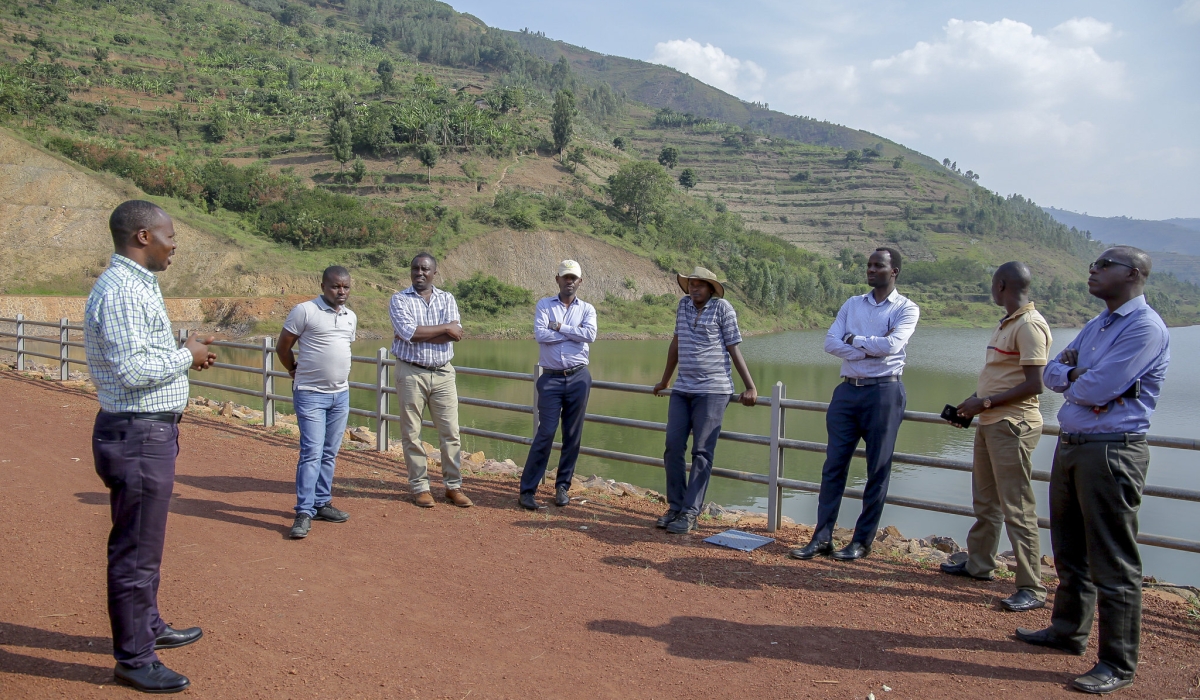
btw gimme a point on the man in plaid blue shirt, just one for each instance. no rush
(427, 323)
(141, 380)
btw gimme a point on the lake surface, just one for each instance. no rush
(943, 365)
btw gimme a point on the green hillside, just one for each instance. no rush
(364, 131)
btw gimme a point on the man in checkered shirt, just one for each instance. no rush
(141, 380)
(426, 323)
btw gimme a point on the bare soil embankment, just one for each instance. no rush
(490, 602)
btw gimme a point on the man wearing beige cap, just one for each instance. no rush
(704, 347)
(563, 325)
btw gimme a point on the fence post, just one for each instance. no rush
(64, 362)
(774, 492)
(268, 364)
(381, 400)
(183, 336)
(20, 342)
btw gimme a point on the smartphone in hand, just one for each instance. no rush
(950, 413)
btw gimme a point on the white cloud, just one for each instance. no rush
(1189, 10)
(709, 64)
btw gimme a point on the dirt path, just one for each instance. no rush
(490, 602)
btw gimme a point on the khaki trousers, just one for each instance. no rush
(1002, 494)
(417, 388)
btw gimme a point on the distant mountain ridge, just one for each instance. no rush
(1173, 235)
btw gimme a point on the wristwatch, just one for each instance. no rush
(987, 402)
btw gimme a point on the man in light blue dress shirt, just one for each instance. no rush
(1110, 377)
(563, 325)
(869, 334)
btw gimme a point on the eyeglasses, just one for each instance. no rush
(1105, 263)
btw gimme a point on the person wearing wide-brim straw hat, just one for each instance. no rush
(704, 348)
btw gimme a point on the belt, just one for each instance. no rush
(1084, 438)
(564, 372)
(429, 369)
(163, 417)
(871, 381)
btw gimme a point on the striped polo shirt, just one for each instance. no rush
(704, 334)
(410, 310)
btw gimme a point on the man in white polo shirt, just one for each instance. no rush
(322, 330)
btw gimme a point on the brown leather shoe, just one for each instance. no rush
(458, 498)
(423, 500)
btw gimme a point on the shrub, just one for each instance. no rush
(489, 295)
(315, 218)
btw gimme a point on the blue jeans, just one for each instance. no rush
(700, 416)
(322, 420)
(871, 413)
(562, 398)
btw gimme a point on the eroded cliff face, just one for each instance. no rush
(54, 234)
(530, 259)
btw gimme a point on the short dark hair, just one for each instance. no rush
(893, 254)
(335, 272)
(427, 256)
(130, 217)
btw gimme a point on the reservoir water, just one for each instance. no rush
(943, 364)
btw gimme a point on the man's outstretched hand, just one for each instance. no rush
(202, 357)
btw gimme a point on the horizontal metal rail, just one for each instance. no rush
(776, 442)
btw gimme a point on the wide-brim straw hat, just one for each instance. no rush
(701, 273)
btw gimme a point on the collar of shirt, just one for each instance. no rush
(890, 299)
(134, 268)
(412, 292)
(1016, 314)
(324, 306)
(1135, 304)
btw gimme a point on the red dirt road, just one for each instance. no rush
(489, 602)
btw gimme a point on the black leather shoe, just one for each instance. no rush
(1047, 638)
(812, 549)
(331, 515)
(667, 518)
(154, 678)
(852, 551)
(173, 638)
(300, 526)
(561, 497)
(1022, 601)
(960, 569)
(1101, 680)
(682, 524)
(527, 502)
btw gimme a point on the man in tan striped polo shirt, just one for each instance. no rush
(1010, 425)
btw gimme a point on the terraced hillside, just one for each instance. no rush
(361, 132)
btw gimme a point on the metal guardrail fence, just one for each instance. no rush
(776, 441)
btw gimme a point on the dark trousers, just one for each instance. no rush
(1095, 493)
(700, 416)
(136, 461)
(559, 398)
(871, 413)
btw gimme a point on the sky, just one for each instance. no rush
(1088, 106)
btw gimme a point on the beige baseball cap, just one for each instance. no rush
(570, 267)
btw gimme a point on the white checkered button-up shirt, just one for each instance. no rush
(410, 310)
(132, 355)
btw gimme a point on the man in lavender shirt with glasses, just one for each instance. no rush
(1110, 377)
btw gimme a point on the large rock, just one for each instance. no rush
(944, 544)
(361, 434)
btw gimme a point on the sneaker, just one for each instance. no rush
(301, 526)
(682, 524)
(330, 514)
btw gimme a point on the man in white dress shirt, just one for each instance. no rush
(563, 325)
(869, 334)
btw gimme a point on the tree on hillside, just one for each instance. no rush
(688, 179)
(577, 158)
(562, 119)
(177, 117)
(898, 162)
(340, 142)
(341, 106)
(387, 74)
(428, 155)
(619, 143)
(641, 186)
(218, 127)
(853, 158)
(293, 77)
(668, 157)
